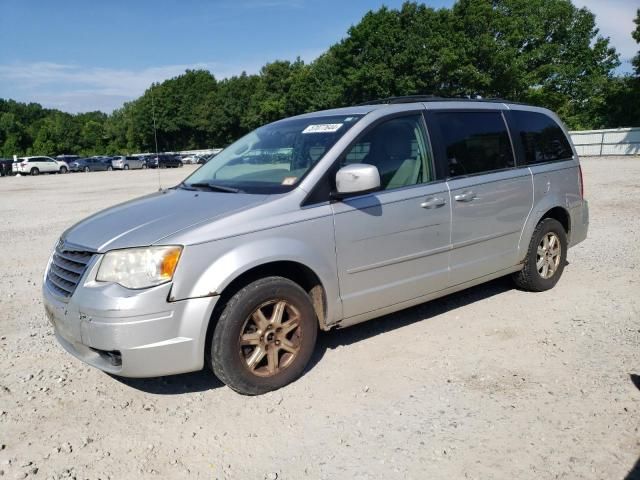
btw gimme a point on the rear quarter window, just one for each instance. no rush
(541, 137)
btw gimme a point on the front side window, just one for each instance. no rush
(542, 138)
(475, 142)
(398, 148)
(273, 158)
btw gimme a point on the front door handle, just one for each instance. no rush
(465, 196)
(433, 202)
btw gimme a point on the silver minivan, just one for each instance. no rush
(318, 221)
(128, 163)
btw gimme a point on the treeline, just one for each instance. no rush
(544, 52)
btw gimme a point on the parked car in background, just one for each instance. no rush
(319, 221)
(92, 164)
(128, 163)
(164, 160)
(5, 167)
(193, 159)
(38, 165)
(66, 158)
(204, 159)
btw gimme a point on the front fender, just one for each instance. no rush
(207, 269)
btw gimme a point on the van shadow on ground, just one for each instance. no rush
(634, 474)
(205, 380)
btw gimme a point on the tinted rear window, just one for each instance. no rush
(475, 142)
(542, 138)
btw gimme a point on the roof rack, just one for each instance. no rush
(432, 98)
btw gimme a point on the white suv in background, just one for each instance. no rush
(38, 165)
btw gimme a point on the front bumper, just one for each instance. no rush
(131, 333)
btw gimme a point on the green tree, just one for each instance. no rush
(545, 52)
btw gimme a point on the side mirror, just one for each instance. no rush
(356, 178)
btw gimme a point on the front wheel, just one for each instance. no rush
(109, 168)
(126, 167)
(264, 337)
(63, 170)
(545, 259)
(87, 169)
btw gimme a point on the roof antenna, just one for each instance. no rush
(155, 136)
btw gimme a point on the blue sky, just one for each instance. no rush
(88, 55)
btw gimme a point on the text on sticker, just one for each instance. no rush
(323, 128)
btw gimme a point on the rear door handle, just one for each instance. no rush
(433, 202)
(465, 196)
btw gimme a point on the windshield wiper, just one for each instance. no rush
(210, 186)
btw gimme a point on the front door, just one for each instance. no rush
(490, 197)
(392, 245)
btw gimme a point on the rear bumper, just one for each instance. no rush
(140, 335)
(579, 223)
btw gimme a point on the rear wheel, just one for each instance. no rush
(109, 168)
(34, 171)
(126, 167)
(144, 166)
(545, 259)
(87, 169)
(264, 337)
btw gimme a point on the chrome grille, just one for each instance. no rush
(66, 270)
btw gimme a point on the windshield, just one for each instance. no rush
(273, 158)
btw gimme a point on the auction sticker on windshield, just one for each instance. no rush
(323, 128)
(289, 180)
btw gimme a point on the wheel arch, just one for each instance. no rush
(561, 215)
(292, 270)
(551, 208)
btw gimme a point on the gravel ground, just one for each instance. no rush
(487, 383)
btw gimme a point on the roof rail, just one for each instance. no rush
(433, 98)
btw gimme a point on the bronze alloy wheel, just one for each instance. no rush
(264, 336)
(270, 338)
(549, 255)
(546, 257)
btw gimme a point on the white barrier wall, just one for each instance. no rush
(618, 141)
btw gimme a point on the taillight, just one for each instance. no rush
(581, 182)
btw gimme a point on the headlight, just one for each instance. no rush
(139, 267)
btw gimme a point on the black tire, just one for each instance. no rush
(87, 169)
(34, 171)
(229, 360)
(126, 167)
(63, 170)
(109, 168)
(180, 165)
(530, 278)
(144, 166)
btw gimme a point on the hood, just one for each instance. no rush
(149, 219)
